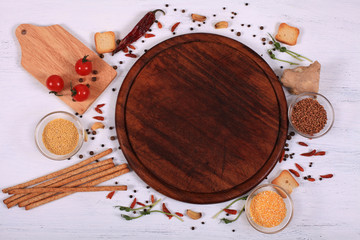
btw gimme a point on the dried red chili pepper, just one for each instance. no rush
(125, 50)
(327, 176)
(152, 198)
(100, 105)
(309, 154)
(141, 204)
(98, 110)
(303, 144)
(230, 211)
(321, 153)
(133, 203)
(164, 208)
(282, 156)
(174, 26)
(179, 214)
(311, 179)
(138, 31)
(110, 195)
(301, 169)
(294, 172)
(99, 118)
(132, 47)
(131, 55)
(149, 35)
(159, 25)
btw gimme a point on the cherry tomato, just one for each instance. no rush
(80, 92)
(83, 66)
(55, 84)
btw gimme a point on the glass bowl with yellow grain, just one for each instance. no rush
(59, 135)
(269, 208)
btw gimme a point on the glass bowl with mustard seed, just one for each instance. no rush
(311, 115)
(59, 135)
(269, 208)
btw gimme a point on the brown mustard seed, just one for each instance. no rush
(114, 67)
(101, 55)
(263, 39)
(95, 72)
(112, 138)
(261, 27)
(118, 41)
(81, 156)
(93, 79)
(93, 132)
(91, 153)
(238, 34)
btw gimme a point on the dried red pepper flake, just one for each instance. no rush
(99, 118)
(301, 169)
(149, 35)
(309, 154)
(282, 156)
(174, 26)
(311, 179)
(141, 204)
(303, 144)
(159, 25)
(125, 50)
(179, 214)
(132, 47)
(320, 153)
(100, 105)
(230, 211)
(98, 110)
(110, 195)
(164, 208)
(131, 55)
(133, 203)
(327, 175)
(152, 198)
(294, 172)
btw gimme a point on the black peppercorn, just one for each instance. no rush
(202, 222)
(261, 28)
(101, 55)
(102, 145)
(166, 5)
(224, 8)
(134, 191)
(183, 10)
(81, 156)
(115, 67)
(95, 72)
(131, 196)
(191, 29)
(93, 79)
(114, 89)
(147, 187)
(248, 25)
(292, 134)
(81, 79)
(192, 228)
(214, 15)
(173, 34)
(175, 9)
(111, 128)
(92, 138)
(93, 132)
(232, 30)
(76, 113)
(121, 62)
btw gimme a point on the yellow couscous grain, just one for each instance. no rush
(60, 136)
(267, 209)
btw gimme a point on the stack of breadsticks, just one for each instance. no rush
(81, 177)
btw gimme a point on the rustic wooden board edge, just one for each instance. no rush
(169, 190)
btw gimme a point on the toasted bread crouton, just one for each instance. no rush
(287, 34)
(286, 181)
(105, 42)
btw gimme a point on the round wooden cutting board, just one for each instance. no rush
(201, 118)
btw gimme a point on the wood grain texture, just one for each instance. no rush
(201, 118)
(51, 50)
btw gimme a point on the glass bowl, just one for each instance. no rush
(288, 203)
(327, 106)
(40, 128)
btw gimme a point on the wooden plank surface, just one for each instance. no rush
(51, 50)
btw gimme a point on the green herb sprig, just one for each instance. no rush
(226, 220)
(272, 55)
(146, 210)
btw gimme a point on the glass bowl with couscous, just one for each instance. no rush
(269, 208)
(59, 135)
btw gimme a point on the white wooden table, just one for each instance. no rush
(328, 209)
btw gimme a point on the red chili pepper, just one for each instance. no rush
(311, 179)
(282, 156)
(321, 153)
(132, 47)
(100, 105)
(125, 50)
(98, 110)
(131, 55)
(179, 214)
(164, 208)
(301, 169)
(174, 26)
(138, 31)
(303, 144)
(294, 172)
(159, 25)
(327, 176)
(149, 35)
(230, 211)
(152, 198)
(110, 195)
(309, 154)
(99, 118)
(141, 204)
(133, 203)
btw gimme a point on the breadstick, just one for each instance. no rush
(92, 183)
(69, 189)
(59, 178)
(60, 172)
(76, 183)
(62, 182)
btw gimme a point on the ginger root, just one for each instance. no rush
(302, 79)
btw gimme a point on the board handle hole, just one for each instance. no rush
(23, 32)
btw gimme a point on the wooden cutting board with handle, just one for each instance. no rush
(51, 50)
